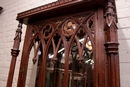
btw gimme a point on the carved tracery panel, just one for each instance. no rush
(67, 48)
(57, 48)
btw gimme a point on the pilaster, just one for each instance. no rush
(111, 46)
(14, 52)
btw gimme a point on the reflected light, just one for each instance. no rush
(90, 60)
(89, 45)
(39, 52)
(74, 26)
(51, 56)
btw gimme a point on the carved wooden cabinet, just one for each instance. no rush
(72, 43)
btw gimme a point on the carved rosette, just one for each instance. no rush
(47, 30)
(69, 27)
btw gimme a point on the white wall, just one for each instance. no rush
(123, 10)
(8, 25)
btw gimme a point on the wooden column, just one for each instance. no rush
(14, 53)
(112, 46)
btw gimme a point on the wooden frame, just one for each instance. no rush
(106, 72)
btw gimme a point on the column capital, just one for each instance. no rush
(15, 52)
(111, 47)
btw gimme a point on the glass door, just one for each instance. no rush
(70, 51)
(64, 51)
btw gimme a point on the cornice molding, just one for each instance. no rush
(58, 8)
(47, 7)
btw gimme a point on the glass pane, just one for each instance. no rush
(49, 68)
(59, 68)
(81, 70)
(31, 71)
(55, 67)
(34, 65)
(89, 63)
(39, 63)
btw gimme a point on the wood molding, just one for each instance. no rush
(111, 47)
(59, 8)
(47, 7)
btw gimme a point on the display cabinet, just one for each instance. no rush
(69, 43)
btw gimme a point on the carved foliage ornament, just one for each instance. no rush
(110, 14)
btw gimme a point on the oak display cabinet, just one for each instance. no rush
(70, 43)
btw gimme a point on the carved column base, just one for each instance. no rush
(112, 64)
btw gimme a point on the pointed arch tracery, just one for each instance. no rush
(61, 40)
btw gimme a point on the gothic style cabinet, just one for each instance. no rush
(68, 43)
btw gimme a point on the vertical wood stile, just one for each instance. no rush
(14, 53)
(112, 46)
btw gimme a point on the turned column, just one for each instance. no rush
(111, 46)
(14, 53)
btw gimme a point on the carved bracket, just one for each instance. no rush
(110, 14)
(111, 29)
(17, 38)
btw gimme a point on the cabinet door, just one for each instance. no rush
(66, 51)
